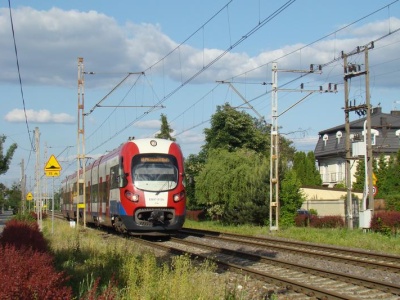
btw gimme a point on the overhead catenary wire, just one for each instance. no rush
(19, 77)
(391, 32)
(196, 74)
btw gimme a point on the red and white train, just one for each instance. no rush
(138, 187)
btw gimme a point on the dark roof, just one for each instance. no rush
(386, 141)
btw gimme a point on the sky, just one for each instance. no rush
(182, 59)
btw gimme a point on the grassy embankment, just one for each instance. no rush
(117, 268)
(131, 273)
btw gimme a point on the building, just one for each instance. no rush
(330, 151)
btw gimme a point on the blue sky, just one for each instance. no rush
(171, 42)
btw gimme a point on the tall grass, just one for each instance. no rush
(118, 265)
(119, 269)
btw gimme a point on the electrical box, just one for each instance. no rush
(365, 218)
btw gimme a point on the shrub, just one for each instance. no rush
(27, 217)
(23, 235)
(327, 222)
(386, 222)
(96, 293)
(28, 274)
(393, 202)
(302, 220)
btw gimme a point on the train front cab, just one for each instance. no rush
(152, 191)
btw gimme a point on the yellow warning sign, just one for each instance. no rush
(29, 196)
(374, 179)
(52, 173)
(52, 164)
(52, 167)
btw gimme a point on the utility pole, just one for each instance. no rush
(349, 207)
(45, 192)
(274, 155)
(80, 176)
(23, 186)
(350, 71)
(274, 205)
(370, 157)
(38, 194)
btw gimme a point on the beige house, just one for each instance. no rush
(330, 155)
(330, 149)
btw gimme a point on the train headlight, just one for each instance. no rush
(131, 196)
(179, 197)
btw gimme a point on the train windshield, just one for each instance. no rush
(155, 172)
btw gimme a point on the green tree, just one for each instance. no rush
(305, 168)
(3, 196)
(388, 179)
(234, 185)
(5, 160)
(232, 130)
(193, 166)
(14, 196)
(166, 130)
(359, 176)
(290, 197)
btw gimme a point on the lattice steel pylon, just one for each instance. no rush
(274, 159)
(80, 175)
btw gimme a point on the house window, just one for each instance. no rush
(339, 171)
(374, 134)
(373, 140)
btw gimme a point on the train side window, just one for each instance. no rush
(122, 181)
(114, 177)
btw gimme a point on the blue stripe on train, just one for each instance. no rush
(116, 208)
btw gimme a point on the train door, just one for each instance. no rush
(114, 190)
(107, 198)
(88, 199)
(100, 199)
(94, 194)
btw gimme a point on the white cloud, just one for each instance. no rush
(40, 116)
(50, 41)
(149, 124)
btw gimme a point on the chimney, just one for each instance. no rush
(395, 113)
(376, 110)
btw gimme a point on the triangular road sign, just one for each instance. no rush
(52, 164)
(29, 196)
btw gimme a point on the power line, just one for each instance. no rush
(19, 75)
(302, 75)
(238, 42)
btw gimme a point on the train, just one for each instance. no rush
(138, 187)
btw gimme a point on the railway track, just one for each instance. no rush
(258, 258)
(356, 257)
(311, 281)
